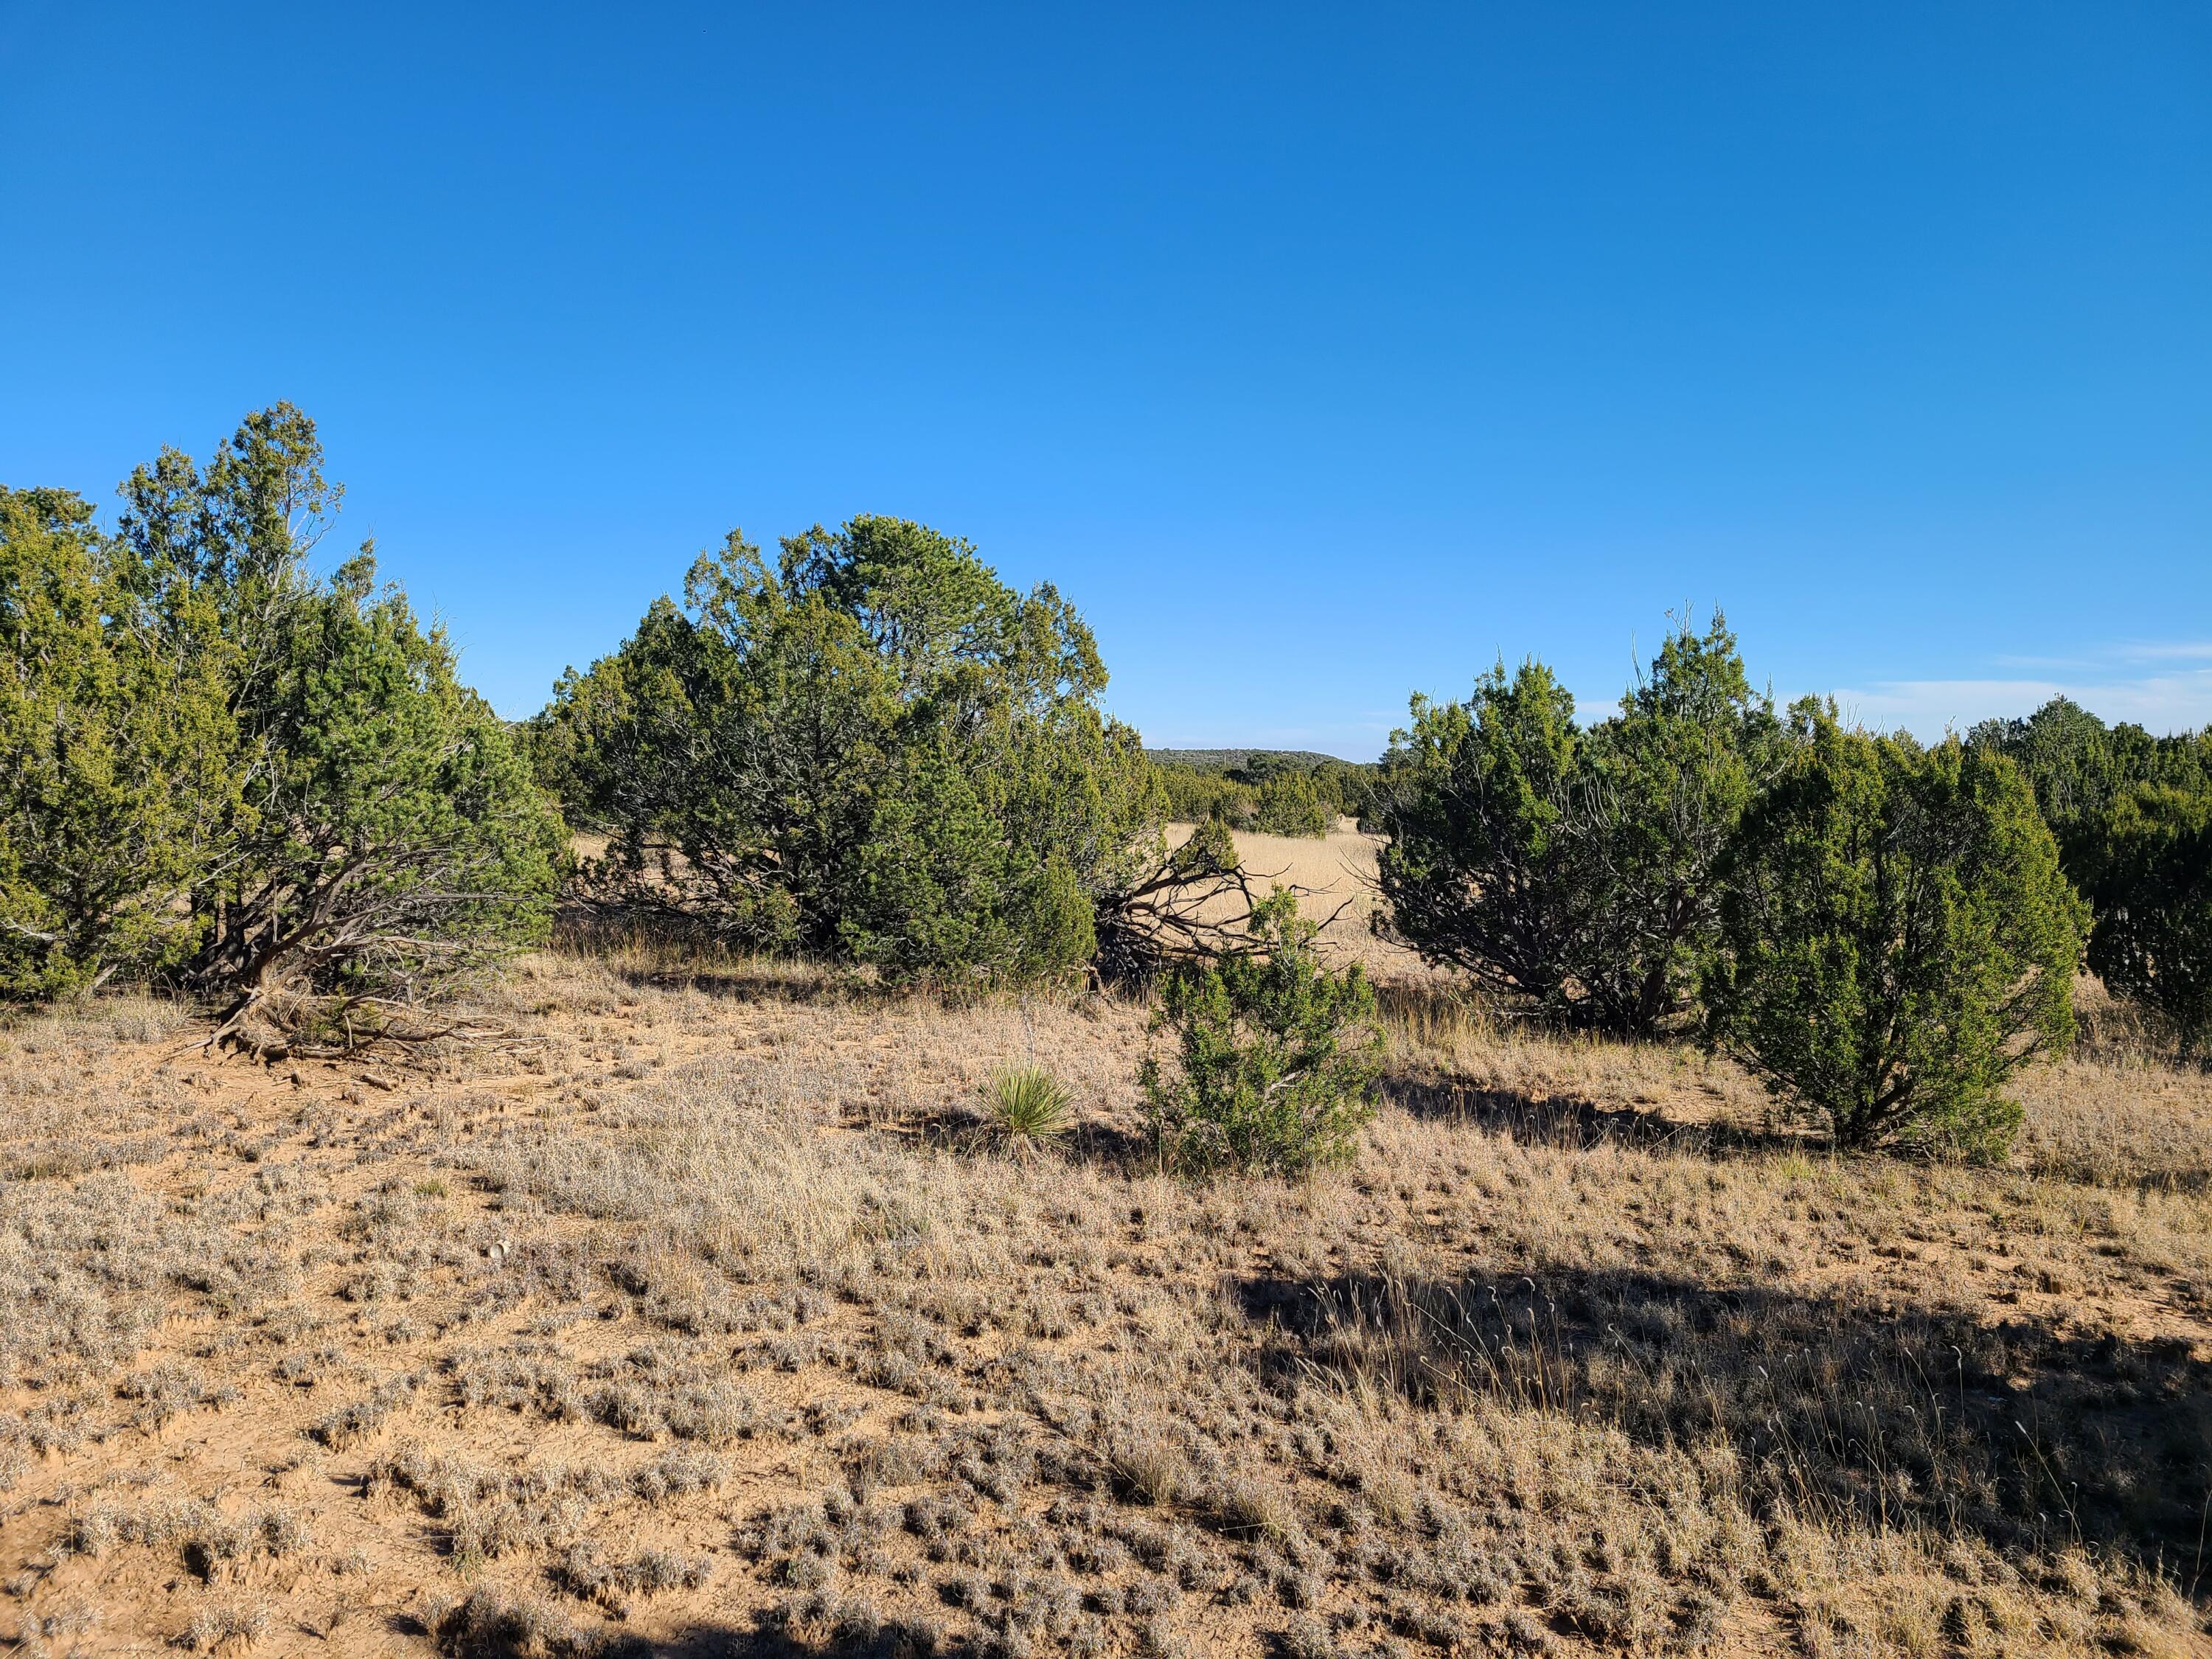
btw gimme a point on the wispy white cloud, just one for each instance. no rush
(2170, 701)
(2174, 651)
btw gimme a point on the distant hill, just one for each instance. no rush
(1231, 760)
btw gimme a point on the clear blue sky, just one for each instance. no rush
(1322, 353)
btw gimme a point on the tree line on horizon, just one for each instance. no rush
(1265, 791)
(224, 773)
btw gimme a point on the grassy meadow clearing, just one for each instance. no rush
(696, 1310)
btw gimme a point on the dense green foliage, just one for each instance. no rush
(2079, 769)
(1290, 805)
(1192, 796)
(1480, 872)
(1277, 1055)
(229, 772)
(870, 748)
(2127, 808)
(1274, 792)
(2148, 873)
(1572, 872)
(1251, 761)
(1899, 939)
(118, 771)
(1667, 781)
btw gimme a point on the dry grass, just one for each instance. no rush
(700, 1319)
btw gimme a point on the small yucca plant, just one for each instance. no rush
(1027, 1107)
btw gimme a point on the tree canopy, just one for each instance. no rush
(869, 747)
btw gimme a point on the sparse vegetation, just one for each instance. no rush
(1581, 1354)
(1565, 1269)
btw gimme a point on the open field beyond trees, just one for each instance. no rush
(697, 1313)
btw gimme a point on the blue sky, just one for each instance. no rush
(1322, 353)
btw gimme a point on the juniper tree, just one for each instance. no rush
(1661, 788)
(1897, 940)
(2080, 768)
(2148, 870)
(869, 747)
(1570, 873)
(1482, 870)
(382, 831)
(1277, 1055)
(117, 763)
(398, 838)
(1290, 805)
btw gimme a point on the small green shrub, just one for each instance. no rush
(1278, 1055)
(1027, 1107)
(1897, 940)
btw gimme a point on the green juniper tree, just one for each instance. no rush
(397, 839)
(1277, 1055)
(1663, 786)
(1290, 805)
(2126, 807)
(226, 771)
(1899, 939)
(387, 834)
(1482, 870)
(117, 775)
(2149, 872)
(1570, 873)
(868, 748)
(2080, 768)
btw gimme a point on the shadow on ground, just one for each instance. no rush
(1570, 1123)
(1837, 1407)
(487, 1628)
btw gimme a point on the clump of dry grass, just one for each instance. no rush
(219, 1623)
(357, 1419)
(487, 1625)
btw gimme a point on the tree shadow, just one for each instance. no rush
(1571, 1123)
(488, 1627)
(1116, 1148)
(1834, 1406)
(767, 983)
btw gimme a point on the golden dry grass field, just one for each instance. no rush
(1336, 876)
(699, 1316)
